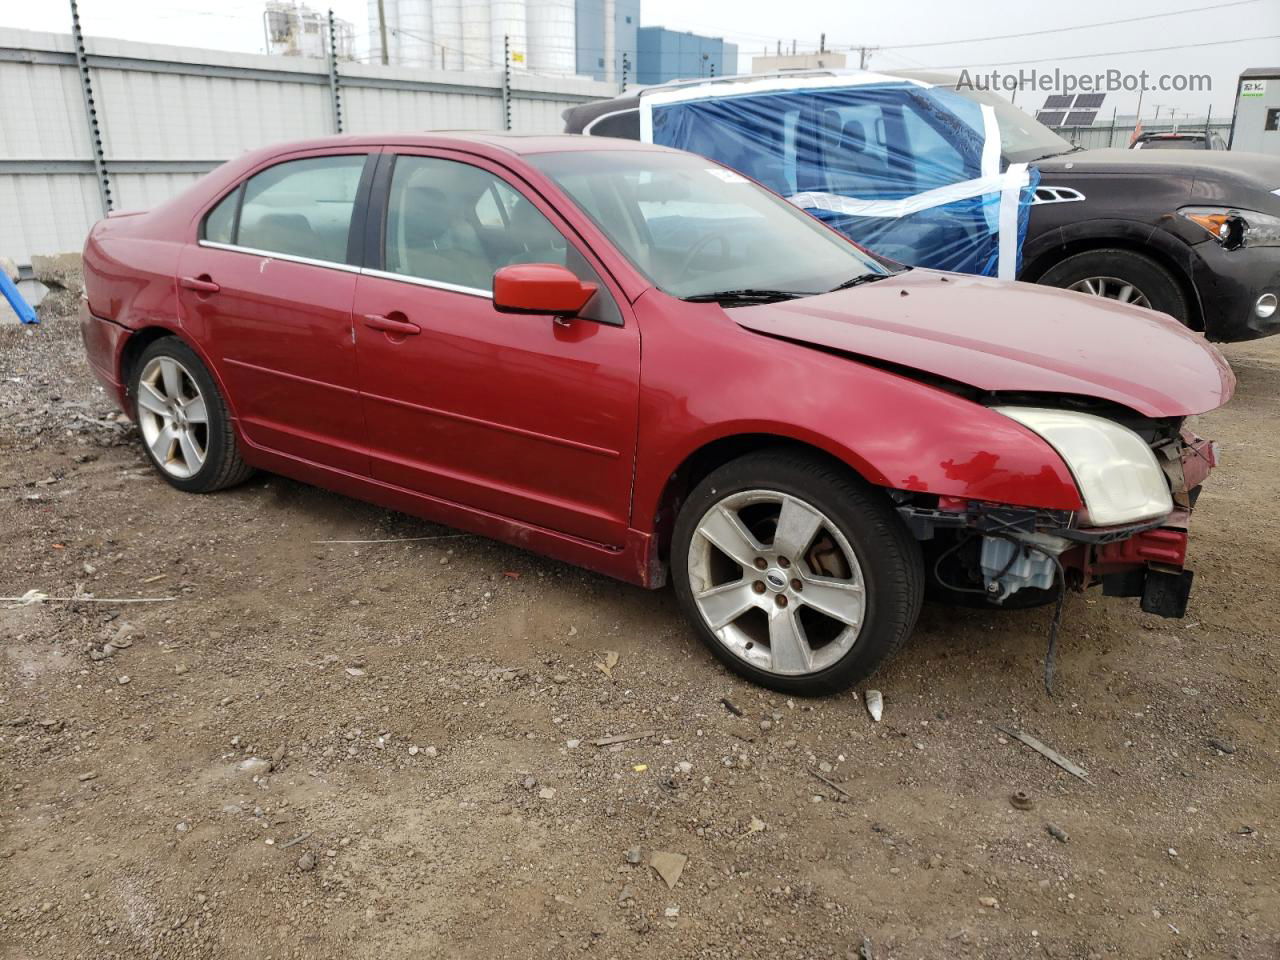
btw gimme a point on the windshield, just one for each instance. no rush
(696, 228)
(1022, 137)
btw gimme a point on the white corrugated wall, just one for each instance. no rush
(190, 106)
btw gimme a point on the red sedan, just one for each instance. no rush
(636, 360)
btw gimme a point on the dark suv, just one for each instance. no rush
(1191, 233)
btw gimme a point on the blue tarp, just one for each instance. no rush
(911, 172)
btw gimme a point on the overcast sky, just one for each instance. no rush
(910, 35)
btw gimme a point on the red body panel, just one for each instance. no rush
(1165, 547)
(515, 415)
(564, 437)
(1012, 337)
(279, 334)
(103, 344)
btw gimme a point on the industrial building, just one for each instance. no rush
(676, 55)
(295, 30)
(592, 38)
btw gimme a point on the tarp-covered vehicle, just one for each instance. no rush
(927, 174)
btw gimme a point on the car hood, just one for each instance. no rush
(1010, 337)
(1258, 167)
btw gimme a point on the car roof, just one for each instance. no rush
(473, 141)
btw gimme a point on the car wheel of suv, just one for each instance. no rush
(186, 428)
(795, 573)
(1121, 275)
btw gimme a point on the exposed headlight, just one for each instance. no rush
(1236, 228)
(1116, 471)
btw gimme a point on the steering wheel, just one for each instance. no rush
(697, 247)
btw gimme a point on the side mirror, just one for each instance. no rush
(546, 288)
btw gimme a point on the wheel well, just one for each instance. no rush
(133, 348)
(710, 457)
(1033, 271)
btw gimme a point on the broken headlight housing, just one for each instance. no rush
(1236, 228)
(1118, 475)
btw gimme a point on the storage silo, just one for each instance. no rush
(414, 36)
(447, 18)
(508, 25)
(552, 35)
(476, 18)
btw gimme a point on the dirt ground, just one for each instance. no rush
(338, 750)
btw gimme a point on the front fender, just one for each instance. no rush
(894, 431)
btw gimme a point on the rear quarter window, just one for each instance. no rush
(219, 225)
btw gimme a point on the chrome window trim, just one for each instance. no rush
(291, 258)
(348, 268)
(422, 282)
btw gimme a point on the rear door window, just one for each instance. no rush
(301, 208)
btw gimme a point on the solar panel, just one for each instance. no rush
(1059, 101)
(1089, 101)
(1051, 118)
(1080, 118)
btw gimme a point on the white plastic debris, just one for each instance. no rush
(875, 704)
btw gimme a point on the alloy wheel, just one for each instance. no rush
(1112, 288)
(173, 417)
(777, 582)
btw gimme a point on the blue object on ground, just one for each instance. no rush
(17, 300)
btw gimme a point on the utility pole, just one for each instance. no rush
(506, 82)
(864, 56)
(91, 112)
(335, 86)
(382, 30)
(822, 43)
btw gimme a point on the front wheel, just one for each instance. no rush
(1122, 275)
(185, 425)
(795, 573)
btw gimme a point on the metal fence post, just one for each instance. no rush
(506, 82)
(335, 87)
(626, 66)
(91, 113)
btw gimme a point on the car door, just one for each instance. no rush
(267, 290)
(525, 417)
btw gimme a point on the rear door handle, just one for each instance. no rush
(199, 284)
(403, 327)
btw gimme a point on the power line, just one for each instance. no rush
(1083, 26)
(1109, 53)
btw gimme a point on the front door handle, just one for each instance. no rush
(200, 284)
(402, 327)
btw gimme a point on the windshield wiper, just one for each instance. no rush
(860, 279)
(746, 296)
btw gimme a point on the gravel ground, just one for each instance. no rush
(385, 750)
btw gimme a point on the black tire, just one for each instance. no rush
(223, 466)
(1161, 288)
(889, 556)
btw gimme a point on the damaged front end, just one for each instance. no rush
(1011, 556)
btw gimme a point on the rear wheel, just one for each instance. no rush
(796, 574)
(186, 428)
(1121, 275)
